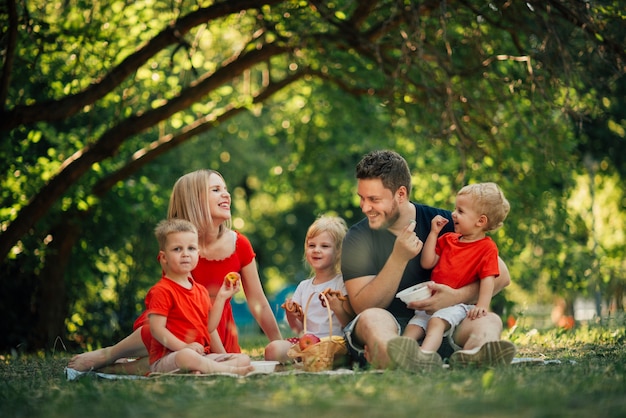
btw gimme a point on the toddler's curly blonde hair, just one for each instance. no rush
(489, 201)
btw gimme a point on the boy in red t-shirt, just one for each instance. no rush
(458, 258)
(182, 320)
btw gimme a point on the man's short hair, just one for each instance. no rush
(388, 166)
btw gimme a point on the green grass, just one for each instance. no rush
(589, 381)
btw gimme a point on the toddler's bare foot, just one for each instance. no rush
(90, 360)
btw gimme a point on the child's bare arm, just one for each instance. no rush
(342, 309)
(294, 316)
(484, 298)
(227, 290)
(216, 343)
(429, 257)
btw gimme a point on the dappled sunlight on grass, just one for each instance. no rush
(584, 340)
(253, 344)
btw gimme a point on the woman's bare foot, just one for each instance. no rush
(90, 360)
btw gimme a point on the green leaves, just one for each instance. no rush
(109, 102)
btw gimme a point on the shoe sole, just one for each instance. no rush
(406, 354)
(491, 354)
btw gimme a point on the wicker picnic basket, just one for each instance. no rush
(323, 355)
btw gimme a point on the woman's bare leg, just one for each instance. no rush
(140, 366)
(131, 346)
(277, 351)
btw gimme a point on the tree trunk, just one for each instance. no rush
(51, 300)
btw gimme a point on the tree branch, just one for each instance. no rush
(72, 104)
(200, 126)
(108, 144)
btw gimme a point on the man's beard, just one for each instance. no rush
(391, 219)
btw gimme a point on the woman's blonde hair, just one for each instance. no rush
(189, 201)
(336, 228)
(489, 201)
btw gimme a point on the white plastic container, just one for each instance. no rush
(264, 366)
(414, 293)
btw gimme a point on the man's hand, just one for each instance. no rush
(442, 297)
(407, 244)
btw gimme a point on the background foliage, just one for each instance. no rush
(106, 103)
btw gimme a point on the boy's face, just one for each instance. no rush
(180, 255)
(466, 219)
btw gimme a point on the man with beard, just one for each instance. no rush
(381, 256)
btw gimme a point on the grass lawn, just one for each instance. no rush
(589, 381)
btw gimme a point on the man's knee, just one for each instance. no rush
(372, 328)
(376, 324)
(471, 333)
(488, 323)
(494, 321)
(376, 315)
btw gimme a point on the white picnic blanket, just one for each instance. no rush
(72, 374)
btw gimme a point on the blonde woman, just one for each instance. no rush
(202, 198)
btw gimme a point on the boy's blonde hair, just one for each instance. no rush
(336, 228)
(189, 200)
(489, 201)
(170, 226)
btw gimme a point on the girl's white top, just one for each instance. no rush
(317, 315)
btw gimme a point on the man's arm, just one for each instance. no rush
(504, 279)
(379, 290)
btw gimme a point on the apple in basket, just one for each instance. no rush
(308, 340)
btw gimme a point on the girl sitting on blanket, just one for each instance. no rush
(322, 252)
